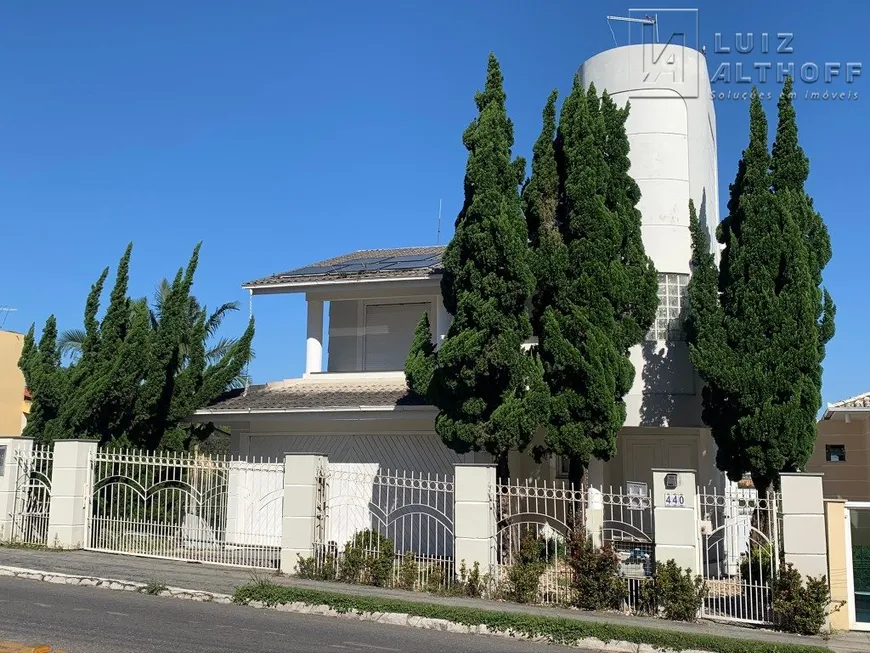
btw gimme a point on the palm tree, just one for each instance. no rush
(70, 342)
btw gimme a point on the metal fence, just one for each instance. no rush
(627, 526)
(534, 523)
(32, 495)
(187, 507)
(740, 552)
(398, 518)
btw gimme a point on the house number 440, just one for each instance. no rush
(675, 500)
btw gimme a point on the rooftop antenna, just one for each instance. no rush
(4, 313)
(646, 20)
(438, 235)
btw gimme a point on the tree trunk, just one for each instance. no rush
(762, 518)
(576, 471)
(502, 472)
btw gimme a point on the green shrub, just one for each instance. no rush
(594, 574)
(154, 588)
(798, 607)
(472, 581)
(368, 559)
(309, 568)
(469, 582)
(525, 574)
(557, 630)
(435, 579)
(409, 572)
(673, 593)
(758, 567)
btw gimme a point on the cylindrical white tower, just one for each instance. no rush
(672, 132)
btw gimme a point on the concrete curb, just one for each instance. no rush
(387, 618)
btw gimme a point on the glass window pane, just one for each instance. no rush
(859, 525)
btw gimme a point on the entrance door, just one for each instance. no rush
(858, 564)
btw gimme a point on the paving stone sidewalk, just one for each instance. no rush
(213, 578)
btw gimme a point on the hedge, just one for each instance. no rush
(557, 630)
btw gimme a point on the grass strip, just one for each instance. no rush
(557, 630)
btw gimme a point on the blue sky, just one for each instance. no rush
(281, 133)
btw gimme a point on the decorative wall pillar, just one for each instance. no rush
(675, 518)
(803, 523)
(474, 526)
(836, 521)
(71, 493)
(300, 518)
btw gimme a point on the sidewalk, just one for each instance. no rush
(226, 579)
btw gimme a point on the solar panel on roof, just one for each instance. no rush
(355, 266)
(408, 265)
(412, 258)
(371, 264)
(312, 269)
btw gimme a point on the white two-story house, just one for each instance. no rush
(352, 404)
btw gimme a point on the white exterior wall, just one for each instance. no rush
(673, 155)
(406, 440)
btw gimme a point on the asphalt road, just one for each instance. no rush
(92, 620)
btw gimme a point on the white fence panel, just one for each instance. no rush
(361, 504)
(535, 519)
(740, 551)
(256, 497)
(32, 495)
(178, 506)
(349, 493)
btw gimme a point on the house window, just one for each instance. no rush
(564, 467)
(389, 332)
(835, 453)
(672, 302)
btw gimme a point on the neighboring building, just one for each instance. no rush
(842, 451)
(354, 405)
(14, 399)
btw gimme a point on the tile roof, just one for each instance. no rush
(858, 401)
(294, 275)
(299, 394)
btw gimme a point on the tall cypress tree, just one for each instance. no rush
(139, 372)
(549, 256)
(580, 359)
(596, 294)
(490, 394)
(154, 411)
(760, 354)
(93, 399)
(636, 291)
(28, 352)
(705, 333)
(420, 362)
(790, 169)
(48, 387)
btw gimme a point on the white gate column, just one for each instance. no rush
(71, 490)
(675, 518)
(474, 527)
(10, 448)
(803, 523)
(299, 523)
